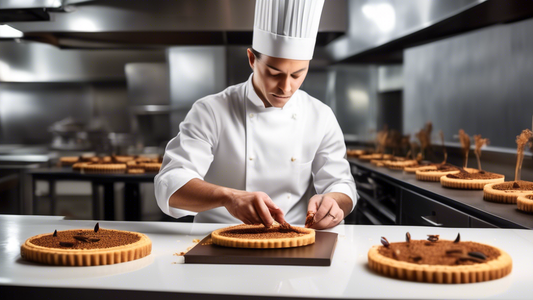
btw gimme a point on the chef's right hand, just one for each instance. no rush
(253, 208)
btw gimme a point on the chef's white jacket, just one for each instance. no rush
(231, 139)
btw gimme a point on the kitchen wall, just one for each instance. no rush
(41, 84)
(352, 94)
(479, 81)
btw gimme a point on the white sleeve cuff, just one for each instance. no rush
(167, 184)
(346, 189)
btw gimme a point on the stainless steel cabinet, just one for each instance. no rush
(417, 209)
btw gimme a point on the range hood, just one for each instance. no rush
(32, 10)
(116, 24)
(379, 30)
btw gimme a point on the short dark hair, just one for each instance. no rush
(256, 54)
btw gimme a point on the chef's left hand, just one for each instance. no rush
(327, 211)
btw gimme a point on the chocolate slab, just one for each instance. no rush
(318, 254)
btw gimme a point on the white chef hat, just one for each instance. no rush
(287, 28)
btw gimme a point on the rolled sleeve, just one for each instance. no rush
(330, 168)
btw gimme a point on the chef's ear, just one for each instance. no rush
(251, 58)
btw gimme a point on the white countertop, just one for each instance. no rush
(347, 277)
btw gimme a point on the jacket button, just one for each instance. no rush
(251, 115)
(251, 158)
(293, 159)
(295, 116)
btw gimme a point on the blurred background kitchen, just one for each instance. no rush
(118, 76)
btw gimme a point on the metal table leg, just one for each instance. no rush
(35, 203)
(53, 196)
(132, 202)
(109, 201)
(96, 201)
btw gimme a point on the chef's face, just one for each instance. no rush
(277, 79)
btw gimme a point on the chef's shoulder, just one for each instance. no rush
(221, 103)
(316, 109)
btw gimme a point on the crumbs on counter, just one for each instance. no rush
(179, 254)
(196, 241)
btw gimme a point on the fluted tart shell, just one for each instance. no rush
(257, 236)
(65, 256)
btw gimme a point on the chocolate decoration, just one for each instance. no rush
(470, 258)
(416, 258)
(454, 251)
(81, 238)
(55, 233)
(93, 240)
(516, 185)
(385, 242)
(66, 244)
(408, 237)
(433, 237)
(477, 255)
(458, 238)
(96, 227)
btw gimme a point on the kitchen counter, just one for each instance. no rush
(164, 275)
(468, 201)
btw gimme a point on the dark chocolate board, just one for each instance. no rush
(318, 254)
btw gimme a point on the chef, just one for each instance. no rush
(262, 150)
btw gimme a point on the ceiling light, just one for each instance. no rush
(8, 32)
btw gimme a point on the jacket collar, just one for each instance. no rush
(258, 103)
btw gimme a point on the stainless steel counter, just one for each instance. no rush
(468, 201)
(164, 275)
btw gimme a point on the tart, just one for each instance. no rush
(259, 236)
(375, 156)
(105, 168)
(525, 203)
(435, 175)
(122, 159)
(79, 166)
(152, 167)
(507, 192)
(470, 179)
(378, 162)
(355, 152)
(439, 261)
(67, 161)
(400, 165)
(413, 169)
(82, 247)
(135, 171)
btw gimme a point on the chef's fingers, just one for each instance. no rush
(253, 215)
(324, 208)
(246, 221)
(262, 210)
(275, 211)
(314, 203)
(331, 219)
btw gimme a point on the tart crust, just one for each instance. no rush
(422, 175)
(490, 270)
(105, 168)
(306, 237)
(413, 169)
(400, 165)
(502, 196)
(525, 203)
(86, 257)
(469, 184)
